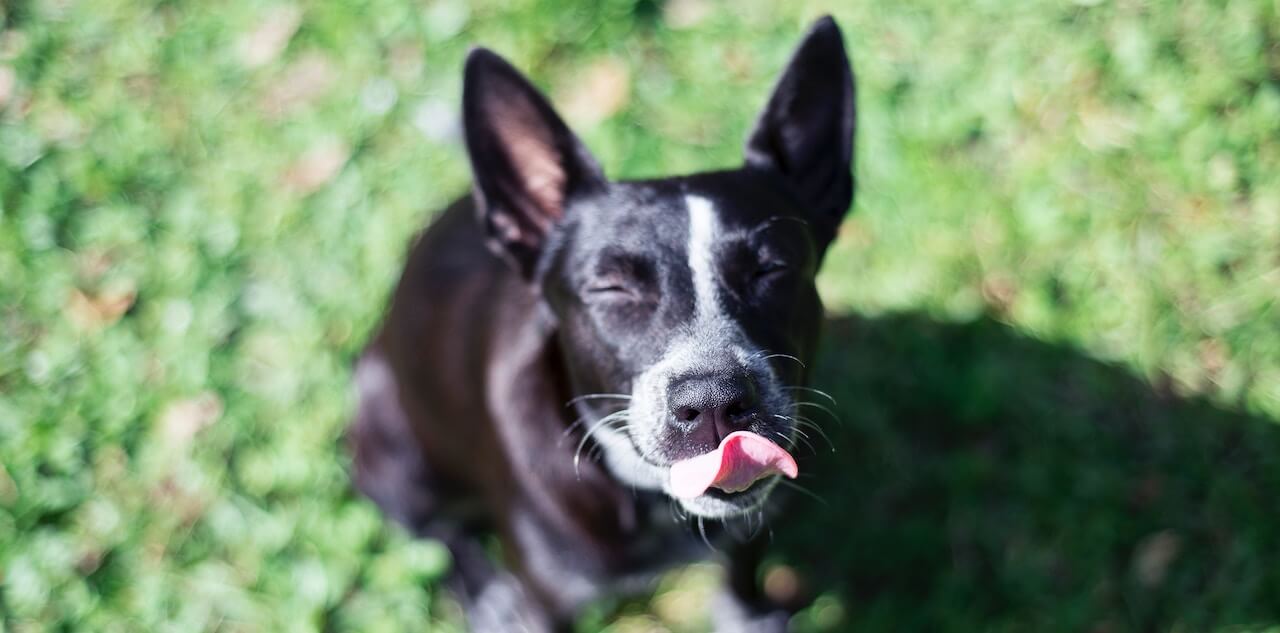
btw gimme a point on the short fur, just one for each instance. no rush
(557, 340)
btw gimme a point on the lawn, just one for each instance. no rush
(1054, 332)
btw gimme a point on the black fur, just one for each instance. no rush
(463, 429)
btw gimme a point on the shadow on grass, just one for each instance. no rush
(987, 481)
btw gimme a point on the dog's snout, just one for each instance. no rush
(719, 404)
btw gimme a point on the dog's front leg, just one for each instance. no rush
(504, 605)
(741, 606)
(548, 581)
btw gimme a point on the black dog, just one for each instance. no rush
(555, 316)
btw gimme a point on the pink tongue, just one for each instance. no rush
(742, 459)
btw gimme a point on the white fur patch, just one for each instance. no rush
(699, 346)
(703, 226)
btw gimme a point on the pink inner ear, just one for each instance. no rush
(533, 155)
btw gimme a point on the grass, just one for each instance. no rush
(1055, 330)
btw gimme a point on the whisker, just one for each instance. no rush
(805, 491)
(612, 418)
(787, 441)
(742, 528)
(650, 453)
(812, 390)
(804, 437)
(576, 423)
(569, 429)
(778, 218)
(755, 524)
(702, 529)
(597, 396)
(676, 513)
(809, 424)
(795, 441)
(577, 454)
(803, 422)
(786, 356)
(824, 409)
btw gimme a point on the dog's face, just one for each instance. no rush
(685, 307)
(693, 302)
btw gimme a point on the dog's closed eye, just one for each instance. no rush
(770, 269)
(618, 277)
(614, 287)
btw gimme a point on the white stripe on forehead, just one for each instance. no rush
(703, 226)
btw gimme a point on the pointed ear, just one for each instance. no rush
(806, 130)
(525, 161)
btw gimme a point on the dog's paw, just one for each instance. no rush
(731, 615)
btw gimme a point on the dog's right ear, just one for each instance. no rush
(526, 162)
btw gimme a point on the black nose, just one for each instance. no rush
(716, 404)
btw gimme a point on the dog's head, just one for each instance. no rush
(685, 307)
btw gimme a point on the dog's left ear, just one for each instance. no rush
(806, 130)
(525, 162)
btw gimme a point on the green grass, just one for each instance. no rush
(1055, 332)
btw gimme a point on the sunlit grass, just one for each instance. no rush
(203, 207)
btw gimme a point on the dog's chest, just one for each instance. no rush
(662, 538)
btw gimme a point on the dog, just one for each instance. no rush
(601, 374)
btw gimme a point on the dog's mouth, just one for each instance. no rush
(740, 461)
(716, 440)
(735, 477)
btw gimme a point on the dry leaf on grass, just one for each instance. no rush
(301, 83)
(603, 90)
(8, 79)
(316, 167)
(8, 489)
(1153, 556)
(93, 312)
(265, 43)
(683, 14)
(182, 419)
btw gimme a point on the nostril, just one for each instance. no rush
(714, 403)
(687, 414)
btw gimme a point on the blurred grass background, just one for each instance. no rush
(1055, 337)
